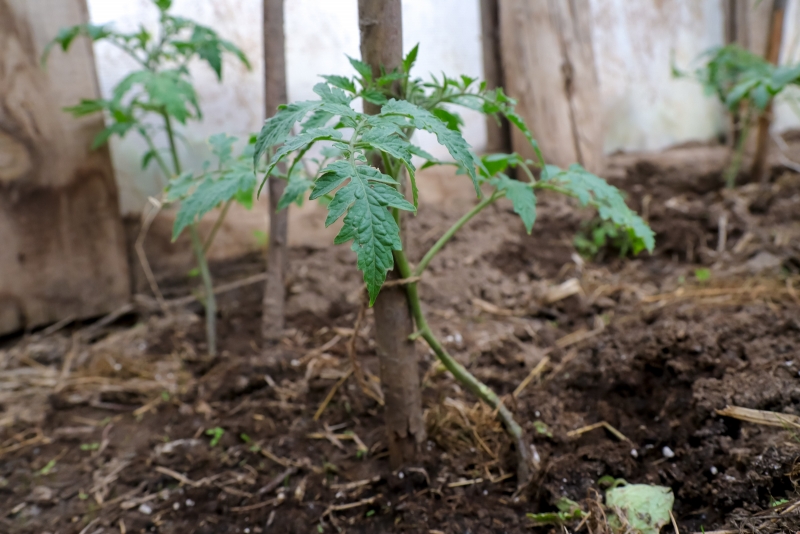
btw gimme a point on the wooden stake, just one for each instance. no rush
(381, 25)
(277, 253)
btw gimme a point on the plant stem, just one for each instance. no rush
(451, 232)
(210, 300)
(736, 162)
(217, 224)
(462, 374)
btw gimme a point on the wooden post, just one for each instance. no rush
(63, 247)
(381, 25)
(273, 317)
(498, 136)
(548, 61)
(758, 172)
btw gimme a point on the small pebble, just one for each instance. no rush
(537, 413)
(189, 503)
(667, 452)
(295, 363)
(714, 470)
(246, 531)
(485, 492)
(634, 453)
(145, 509)
(176, 506)
(400, 475)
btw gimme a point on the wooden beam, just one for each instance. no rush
(498, 136)
(548, 62)
(62, 251)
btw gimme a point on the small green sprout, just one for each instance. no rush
(216, 434)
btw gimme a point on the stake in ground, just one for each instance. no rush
(370, 200)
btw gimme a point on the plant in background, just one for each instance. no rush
(596, 235)
(369, 199)
(162, 89)
(746, 84)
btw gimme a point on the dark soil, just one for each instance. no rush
(117, 435)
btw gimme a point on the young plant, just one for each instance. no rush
(746, 84)
(369, 199)
(150, 99)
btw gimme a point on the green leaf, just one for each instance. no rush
(118, 128)
(522, 198)
(761, 97)
(334, 96)
(179, 187)
(497, 163)
(365, 200)
(276, 129)
(452, 120)
(373, 96)
(148, 157)
(410, 59)
(645, 508)
(300, 142)
(294, 192)
(87, 107)
(362, 68)
(163, 5)
(222, 147)
(593, 190)
(739, 92)
(168, 90)
(342, 82)
(209, 194)
(387, 139)
(450, 139)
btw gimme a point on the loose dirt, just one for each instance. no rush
(131, 428)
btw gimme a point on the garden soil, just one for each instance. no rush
(130, 427)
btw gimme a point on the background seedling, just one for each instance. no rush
(149, 100)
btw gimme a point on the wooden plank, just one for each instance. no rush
(63, 247)
(498, 136)
(548, 63)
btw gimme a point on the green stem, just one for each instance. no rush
(527, 171)
(481, 390)
(209, 301)
(426, 259)
(217, 224)
(157, 155)
(736, 163)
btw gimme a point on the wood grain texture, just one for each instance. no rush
(549, 68)
(63, 246)
(498, 136)
(273, 318)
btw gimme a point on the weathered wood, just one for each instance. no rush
(63, 246)
(747, 23)
(273, 317)
(498, 136)
(758, 172)
(381, 24)
(549, 68)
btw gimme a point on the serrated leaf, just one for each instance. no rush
(362, 68)
(452, 120)
(276, 129)
(342, 82)
(387, 139)
(209, 194)
(300, 142)
(294, 192)
(410, 59)
(497, 163)
(334, 96)
(450, 139)
(522, 199)
(180, 186)
(118, 128)
(364, 202)
(222, 147)
(374, 96)
(593, 190)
